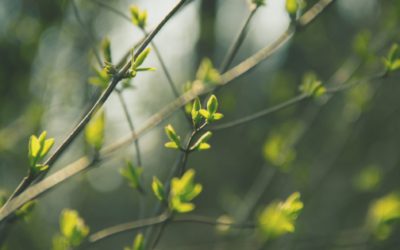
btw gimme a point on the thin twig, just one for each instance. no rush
(85, 32)
(116, 78)
(156, 119)
(162, 219)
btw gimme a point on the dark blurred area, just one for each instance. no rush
(340, 153)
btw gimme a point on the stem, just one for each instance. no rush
(162, 219)
(86, 33)
(234, 48)
(128, 118)
(159, 234)
(187, 149)
(239, 70)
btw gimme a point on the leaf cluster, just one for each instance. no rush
(278, 218)
(38, 148)
(182, 191)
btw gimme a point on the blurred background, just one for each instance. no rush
(340, 153)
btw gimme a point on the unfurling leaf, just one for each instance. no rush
(94, 131)
(392, 63)
(38, 148)
(106, 46)
(24, 212)
(206, 72)
(173, 137)
(158, 189)
(73, 227)
(196, 116)
(140, 59)
(212, 105)
(291, 7)
(311, 87)
(139, 243)
(201, 143)
(182, 191)
(383, 214)
(132, 174)
(138, 18)
(278, 218)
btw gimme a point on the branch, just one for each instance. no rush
(116, 78)
(135, 225)
(156, 119)
(85, 32)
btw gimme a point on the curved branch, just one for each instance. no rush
(135, 225)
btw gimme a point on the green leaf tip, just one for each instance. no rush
(209, 114)
(196, 116)
(278, 218)
(201, 143)
(158, 189)
(311, 87)
(132, 174)
(138, 18)
(38, 149)
(24, 212)
(206, 73)
(392, 62)
(139, 243)
(184, 190)
(175, 140)
(94, 130)
(383, 214)
(106, 46)
(73, 227)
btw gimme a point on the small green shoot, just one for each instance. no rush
(138, 18)
(158, 189)
(73, 227)
(38, 148)
(175, 140)
(132, 174)
(94, 131)
(278, 218)
(311, 87)
(392, 62)
(210, 114)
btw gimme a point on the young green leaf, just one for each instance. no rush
(131, 174)
(204, 113)
(73, 227)
(139, 243)
(139, 19)
(279, 217)
(172, 145)
(196, 116)
(172, 136)
(158, 189)
(24, 212)
(201, 143)
(94, 131)
(182, 191)
(291, 7)
(212, 105)
(140, 59)
(106, 46)
(217, 116)
(38, 148)
(110, 68)
(145, 69)
(392, 63)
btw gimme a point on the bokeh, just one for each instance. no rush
(340, 152)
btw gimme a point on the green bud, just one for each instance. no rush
(196, 116)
